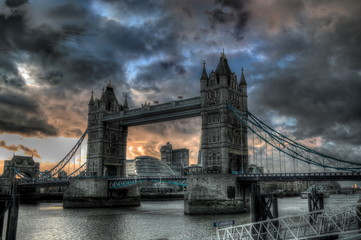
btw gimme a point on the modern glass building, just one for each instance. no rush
(146, 166)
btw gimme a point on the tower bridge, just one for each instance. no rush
(233, 141)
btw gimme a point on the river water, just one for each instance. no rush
(159, 220)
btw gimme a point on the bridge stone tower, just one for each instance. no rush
(106, 141)
(224, 139)
(224, 147)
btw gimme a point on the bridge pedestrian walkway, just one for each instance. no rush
(343, 222)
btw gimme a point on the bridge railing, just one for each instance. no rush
(116, 183)
(301, 176)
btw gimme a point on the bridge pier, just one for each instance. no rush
(215, 194)
(94, 192)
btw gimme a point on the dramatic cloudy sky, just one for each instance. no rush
(301, 59)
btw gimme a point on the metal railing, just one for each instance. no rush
(318, 224)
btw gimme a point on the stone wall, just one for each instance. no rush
(93, 192)
(215, 194)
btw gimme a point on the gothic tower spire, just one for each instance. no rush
(242, 88)
(91, 101)
(125, 105)
(243, 80)
(204, 72)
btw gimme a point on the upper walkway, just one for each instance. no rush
(157, 113)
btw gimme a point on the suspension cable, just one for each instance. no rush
(290, 147)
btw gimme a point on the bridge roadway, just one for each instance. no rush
(157, 113)
(181, 180)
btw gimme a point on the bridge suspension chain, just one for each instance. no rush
(79, 170)
(289, 147)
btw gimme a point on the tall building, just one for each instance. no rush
(177, 159)
(224, 139)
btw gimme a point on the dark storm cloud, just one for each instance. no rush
(18, 36)
(219, 16)
(15, 3)
(230, 12)
(317, 76)
(163, 80)
(20, 114)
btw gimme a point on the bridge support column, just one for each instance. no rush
(315, 202)
(94, 192)
(262, 206)
(215, 194)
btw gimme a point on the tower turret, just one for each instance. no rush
(109, 100)
(91, 103)
(204, 77)
(242, 88)
(223, 68)
(125, 105)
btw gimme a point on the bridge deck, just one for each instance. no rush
(324, 176)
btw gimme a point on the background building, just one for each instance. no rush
(25, 165)
(177, 159)
(130, 167)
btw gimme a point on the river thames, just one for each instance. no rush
(159, 220)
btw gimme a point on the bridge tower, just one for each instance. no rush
(106, 141)
(224, 138)
(224, 147)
